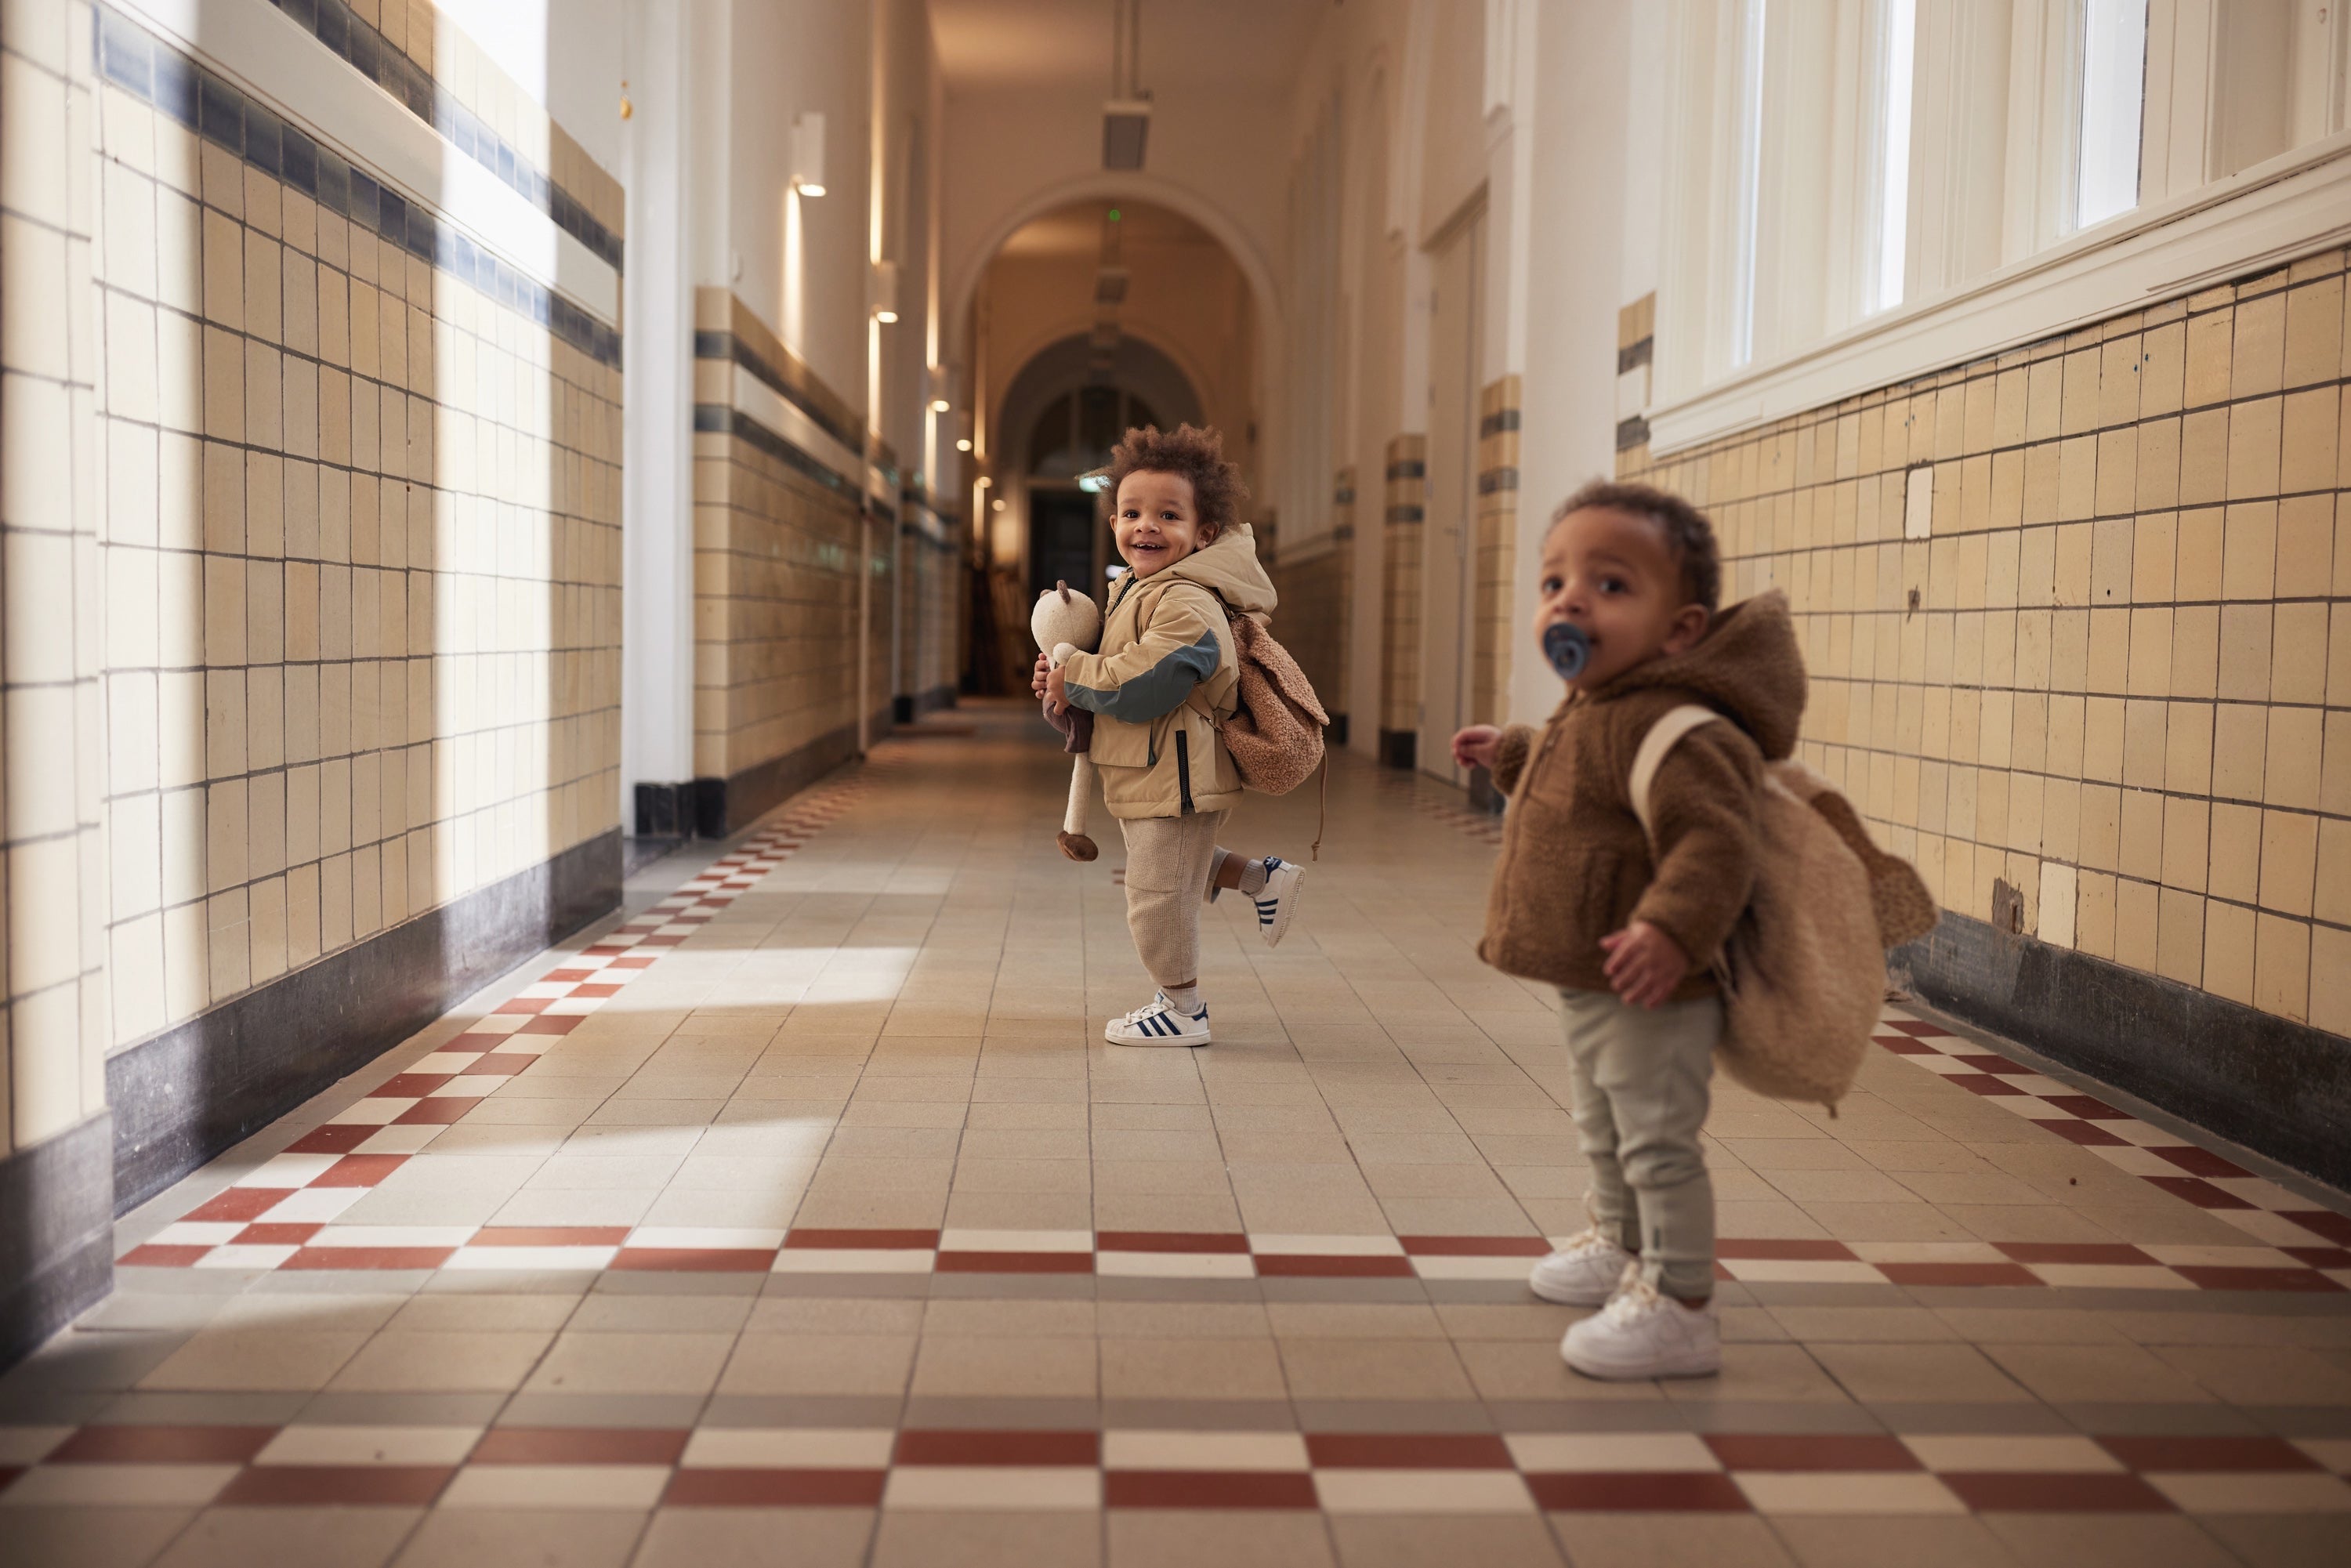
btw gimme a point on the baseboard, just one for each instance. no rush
(2275, 1086)
(1400, 748)
(1335, 736)
(724, 807)
(57, 1233)
(664, 811)
(203, 1086)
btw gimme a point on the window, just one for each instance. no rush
(1898, 67)
(1748, 186)
(2113, 100)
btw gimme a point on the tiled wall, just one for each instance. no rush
(930, 606)
(52, 610)
(2098, 686)
(778, 554)
(1315, 583)
(1402, 526)
(1492, 585)
(361, 538)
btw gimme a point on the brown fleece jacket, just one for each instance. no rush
(1575, 865)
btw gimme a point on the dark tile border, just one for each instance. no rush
(716, 419)
(724, 807)
(2275, 1086)
(823, 406)
(57, 1233)
(201, 1088)
(152, 71)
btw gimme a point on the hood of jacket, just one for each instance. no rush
(1230, 570)
(1748, 666)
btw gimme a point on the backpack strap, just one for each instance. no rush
(1661, 740)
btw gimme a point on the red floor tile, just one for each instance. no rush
(558, 977)
(1810, 1451)
(1904, 1045)
(334, 1138)
(2197, 1191)
(2335, 1228)
(1958, 1274)
(1217, 1242)
(579, 1446)
(2308, 1282)
(863, 1240)
(1209, 1488)
(2088, 1134)
(368, 1257)
(1638, 1491)
(598, 990)
(241, 1203)
(1407, 1450)
(697, 1260)
(126, 1445)
(444, 1111)
(475, 1042)
(2107, 1252)
(1794, 1250)
(2197, 1162)
(775, 1488)
(2087, 1108)
(281, 1234)
(2207, 1453)
(1475, 1246)
(1015, 1263)
(1924, 1030)
(524, 1004)
(1300, 1265)
(2042, 1492)
(1983, 1082)
(552, 1023)
(1985, 1061)
(957, 1446)
(297, 1485)
(2320, 1257)
(155, 1255)
(360, 1170)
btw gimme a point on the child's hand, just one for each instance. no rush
(1644, 964)
(1056, 694)
(1036, 676)
(1477, 746)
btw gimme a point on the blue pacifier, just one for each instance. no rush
(1567, 648)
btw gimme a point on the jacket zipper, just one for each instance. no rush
(1183, 767)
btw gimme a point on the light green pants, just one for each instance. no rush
(1640, 1080)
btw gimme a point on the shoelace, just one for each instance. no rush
(1634, 1295)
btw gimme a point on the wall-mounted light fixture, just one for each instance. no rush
(885, 292)
(963, 444)
(1126, 118)
(940, 405)
(808, 153)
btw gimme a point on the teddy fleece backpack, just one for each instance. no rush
(1803, 972)
(1275, 735)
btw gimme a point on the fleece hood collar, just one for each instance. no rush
(1748, 665)
(1230, 570)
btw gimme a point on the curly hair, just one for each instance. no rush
(1687, 533)
(1191, 452)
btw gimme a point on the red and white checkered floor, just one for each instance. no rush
(800, 1216)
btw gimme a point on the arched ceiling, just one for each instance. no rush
(1037, 43)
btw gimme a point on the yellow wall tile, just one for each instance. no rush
(2142, 835)
(2187, 839)
(2204, 457)
(2180, 935)
(2258, 359)
(2289, 860)
(2281, 968)
(2330, 980)
(2093, 918)
(2240, 750)
(2313, 327)
(2290, 777)
(2135, 924)
(2187, 749)
(2331, 884)
(2311, 429)
(2229, 952)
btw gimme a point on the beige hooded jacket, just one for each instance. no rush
(1166, 677)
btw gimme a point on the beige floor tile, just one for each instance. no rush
(491, 1538)
(1918, 1373)
(1847, 1541)
(1669, 1541)
(1168, 1369)
(255, 1359)
(2269, 1374)
(1152, 1537)
(2107, 1541)
(486, 1361)
(1007, 1365)
(756, 1538)
(1864, 1325)
(1410, 1541)
(2096, 1374)
(927, 1539)
(290, 1538)
(115, 1537)
(1373, 1369)
(585, 1363)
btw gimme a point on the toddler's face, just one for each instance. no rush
(1156, 524)
(1612, 575)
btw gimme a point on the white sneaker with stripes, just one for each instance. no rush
(1277, 902)
(1160, 1023)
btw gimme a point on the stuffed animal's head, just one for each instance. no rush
(1065, 615)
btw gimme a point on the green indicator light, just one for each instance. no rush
(1113, 214)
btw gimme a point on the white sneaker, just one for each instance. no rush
(1160, 1023)
(1583, 1273)
(1277, 902)
(1640, 1333)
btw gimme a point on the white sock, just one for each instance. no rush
(1253, 878)
(1216, 871)
(1186, 998)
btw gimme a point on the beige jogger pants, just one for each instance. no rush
(1168, 859)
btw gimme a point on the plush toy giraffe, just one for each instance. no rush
(1066, 621)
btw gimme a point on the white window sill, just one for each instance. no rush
(2269, 215)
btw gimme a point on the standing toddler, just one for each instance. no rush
(1627, 931)
(1164, 680)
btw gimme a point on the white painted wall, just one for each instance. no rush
(567, 54)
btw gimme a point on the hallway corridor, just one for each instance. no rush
(798, 1215)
